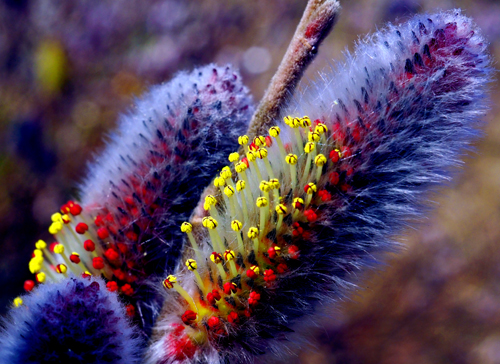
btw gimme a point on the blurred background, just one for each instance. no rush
(67, 68)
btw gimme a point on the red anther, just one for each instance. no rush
(308, 188)
(233, 318)
(98, 263)
(75, 258)
(52, 246)
(317, 121)
(245, 160)
(98, 220)
(111, 254)
(213, 296)
(271, 252)
(293, 251)
(269, 141)
(345, 187)
(251, 274)
(349, 172)
(102, 233)
(81, 228)
(253, 299)
(129, 200)
(247, 312)
(65, 208)
(29, 285)
(109, 217)
(179, 346)
(310, 215)
(112, 286)
(130, 310)
(89, 245)
(334, 178)
(66, 219)
(298, 205)
(86, 275)
(230, 287)
(75, 210)
(325, 195)
(122, 247)
(127, 289)
(334, 156)
(119, 274)
(253, 147)
(269, 276)
(281, 268)
(213, 322)
(346, 152)
(112, 229)
(131, 236)
(188, 317)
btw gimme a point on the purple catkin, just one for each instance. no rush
(399, 114)
(74, 321)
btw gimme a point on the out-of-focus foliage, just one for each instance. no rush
(67, 69)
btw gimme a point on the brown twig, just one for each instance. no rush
(316, 23)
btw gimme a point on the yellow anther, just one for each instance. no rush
(310, 188)
(281, 209)
(216, 258)
(288, 120)
(298, 202)
(261, 202)
(66, 218)
(58, 248)
(55, 227)
(169, 282)
(275, 183)
(240, 167)
(61, 268)
(251, 156)
(255, 269)
(305, 121)
(229, 191)
(233, 157)
(295, 123)
(229, 255)
(262, 153)
(236, 225)
(191, 264)
(40, 244)
(321, 128)
(240, 185)
(320, 160)
(338, 152)
(243, 139)
(259, 141)
(277, 249)
(210, 200)
(253, 233)
(226, 172)
(309, 147)
(56, 217)
(209, 222)
(313, 136)
(18, 301)
(37, 253)
(274, 131)
(219, 181)
(40, 277)
(291, 158)
(186, 227)
(265, 186)
(35, 265)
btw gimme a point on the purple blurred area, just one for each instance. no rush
(67, 68)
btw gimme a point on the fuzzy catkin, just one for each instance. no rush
(399, 113)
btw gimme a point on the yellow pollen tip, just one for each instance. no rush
(37, 253)
(216, 258)
(226, 172)
(309, 147)
(219, 182)
(186, 227)
(40, 244)
(275, 183)
(288, 120)
(265, 186)
(253, 233)
(236, 225)
(297, 201)
(251, 156)
(168, 282)
(59, 249)
(18, 301)
(55, 227)
(255, 269)
(240, 167)
(262, 153)
(259, 140)
(320, 160)
(209, 222)
(291, 159)
(281, 209)
(229, 191)
(40, 277)
(274, 131)
(295, 123)
(233, 157)
(191, 264)
(56, 217)
(229, 255)
(313, 137)
(261, 202)
(243, 139)
(305, 121)
(311, 188)
(240, 185)
(61, 268)
(321, 128)
(277, 249)
(66, 219)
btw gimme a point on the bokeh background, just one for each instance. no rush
(67, 68)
